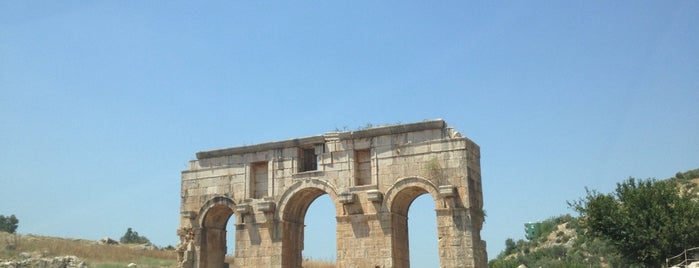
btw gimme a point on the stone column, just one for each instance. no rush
(458, 246)
(400, 248)
(258, 245)
(292, 244)
(213, 248)
(363, 241)
(197, 247)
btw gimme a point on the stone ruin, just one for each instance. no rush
(371, 175)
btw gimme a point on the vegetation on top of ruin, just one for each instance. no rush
(639, 225)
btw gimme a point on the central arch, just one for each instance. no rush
(216, 214)
(293, 207)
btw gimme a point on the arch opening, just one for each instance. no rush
(320, 245)
(214, 237)
(415, 203)
(230, 241)
(294, 223)
(422, 232)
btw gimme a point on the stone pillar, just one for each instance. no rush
(457, 242)
(362, 241)
(258, 245)
(292, 244)
(197, 247)
(399, 240)
(213, 248)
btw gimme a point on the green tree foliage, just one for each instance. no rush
(644, 220)
(504, 263)
(687, 182)
(687, 175)
(132, 237)
(8, 224)
(510, 247)
(542, 229)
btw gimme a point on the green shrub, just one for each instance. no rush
(8, 224)
(132, 237)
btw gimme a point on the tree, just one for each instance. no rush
(644, 220)
(132, 237)
(510, 247)
(8, 224)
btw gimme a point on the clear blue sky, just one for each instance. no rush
(102, 104)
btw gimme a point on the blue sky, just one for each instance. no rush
(102, 104)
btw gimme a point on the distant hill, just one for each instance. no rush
(557, 242)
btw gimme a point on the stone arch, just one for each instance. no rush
(293, 205)
(402, 193)
(213, 218)
(398, 200)
(305, 191)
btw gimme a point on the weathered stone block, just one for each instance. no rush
(347, 198)
(266, 206)
(374, 196)
(243, 209)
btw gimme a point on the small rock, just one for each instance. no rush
(132, 265)
(146, 246)
(108, 241)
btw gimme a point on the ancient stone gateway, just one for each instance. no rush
(372, 177)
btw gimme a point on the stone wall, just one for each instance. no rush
(371, 176)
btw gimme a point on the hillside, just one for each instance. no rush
(556, 244)
(560, 241)
(92, 253)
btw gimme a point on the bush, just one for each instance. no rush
(132, 237)
(8, 224)
(510, 247)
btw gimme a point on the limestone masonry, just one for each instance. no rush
(371, 175)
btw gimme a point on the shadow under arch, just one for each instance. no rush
(399, 197)
(293, 205)
(213, 218)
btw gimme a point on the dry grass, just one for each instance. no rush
(96, 255)
(317, 264)
(307, 263)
